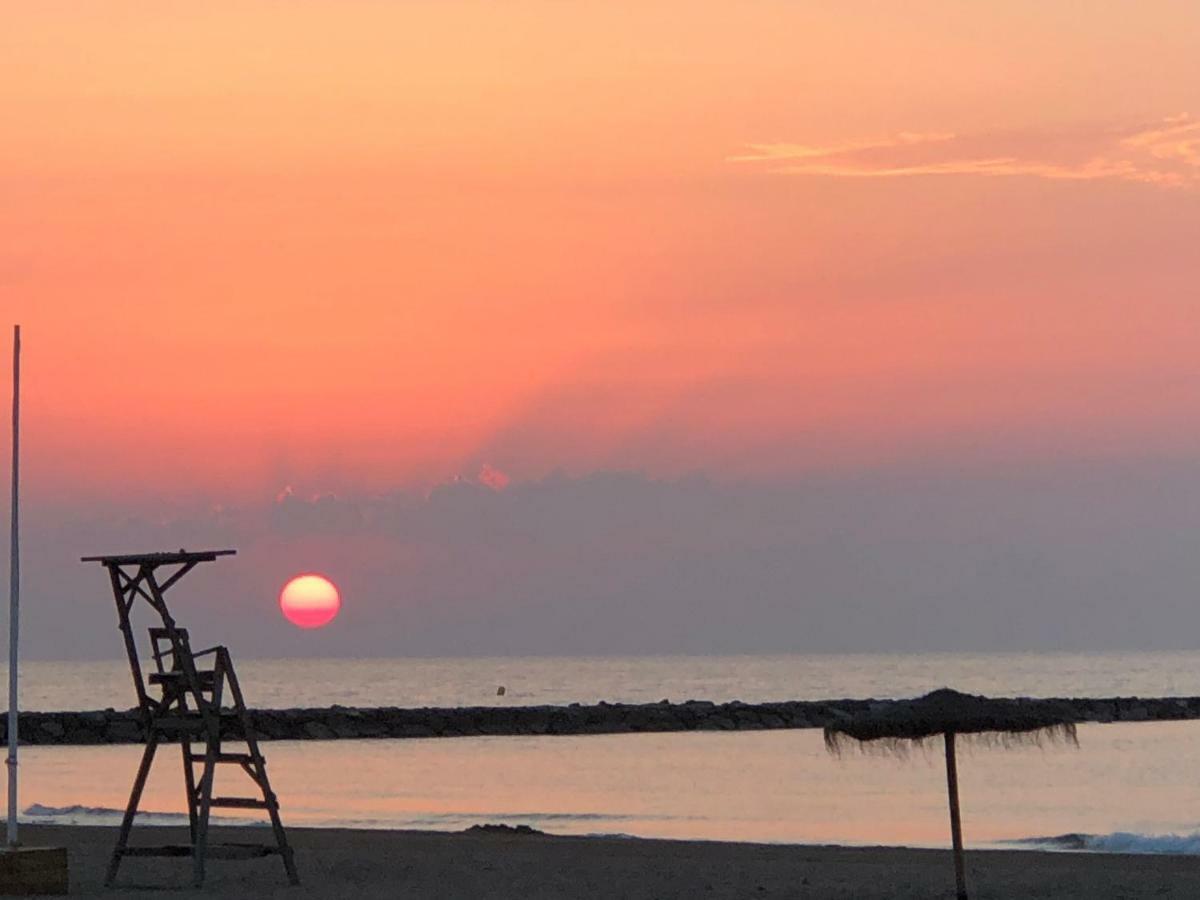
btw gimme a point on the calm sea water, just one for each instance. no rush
(278, 683)
(1128, 786)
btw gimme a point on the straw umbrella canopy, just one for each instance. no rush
(896, 727)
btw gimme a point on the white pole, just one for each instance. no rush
(14, 595)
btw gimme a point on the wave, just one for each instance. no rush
(574, 817)
(78, 814)
(458, 821)
(1118, 842)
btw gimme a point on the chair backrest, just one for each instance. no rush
(169, 654)
(178, 678)
(175, 677)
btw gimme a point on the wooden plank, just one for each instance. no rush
(240, 758)
(159, 558)
(135, 797)
(177, 724)
(179, 573)
(238, 803)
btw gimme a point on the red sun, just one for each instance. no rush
(310, 601)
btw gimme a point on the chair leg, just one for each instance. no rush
(285, 850)
(259, 771)
(200, 844)
(189, 780)
(135, 797)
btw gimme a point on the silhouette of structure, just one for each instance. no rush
(188, 698)
(951, 715)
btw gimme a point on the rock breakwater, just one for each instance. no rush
(112, 726)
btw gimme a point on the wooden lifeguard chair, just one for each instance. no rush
(189, 698)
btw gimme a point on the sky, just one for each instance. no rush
(612, 328)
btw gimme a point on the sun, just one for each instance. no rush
(310, 601)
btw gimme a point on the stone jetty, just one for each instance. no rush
(110, 726)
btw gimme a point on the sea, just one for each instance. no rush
(1127, 787)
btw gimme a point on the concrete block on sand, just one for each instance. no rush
(26, 871)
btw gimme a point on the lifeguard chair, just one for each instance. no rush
(190, 698)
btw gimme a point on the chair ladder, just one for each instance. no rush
(171, 719)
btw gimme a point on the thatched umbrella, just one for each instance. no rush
(895, 727)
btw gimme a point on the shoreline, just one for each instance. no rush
(1068, 843)
(507, 865)
(1072, 842)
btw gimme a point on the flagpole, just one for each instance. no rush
(24, 870)
(14, 595)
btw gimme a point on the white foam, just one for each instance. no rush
(1120, 842)
(78, 814)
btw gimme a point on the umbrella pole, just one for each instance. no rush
(955, 819)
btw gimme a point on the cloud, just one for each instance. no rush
(802, 151)
(1164, 153)
(492, 477)
(1087, 555)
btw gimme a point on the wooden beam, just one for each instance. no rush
(159, 559)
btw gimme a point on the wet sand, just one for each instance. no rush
(337, 863)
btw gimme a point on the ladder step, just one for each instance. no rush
(238, 803)
(177, 724)
(189, 722)
(205, 678)
(244, 759)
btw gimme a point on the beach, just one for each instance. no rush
(337, 863)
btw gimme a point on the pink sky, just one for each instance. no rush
(377, 244)
(286, 271)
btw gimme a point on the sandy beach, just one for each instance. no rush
(369, 864)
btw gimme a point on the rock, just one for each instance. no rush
(343, 728)
(371, 728)
(122, 731)
(747, 717)
(119, 727)
(1135, 714)
(502, 829)
(318, 730)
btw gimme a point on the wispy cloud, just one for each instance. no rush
(1166, 153)
(758, 152)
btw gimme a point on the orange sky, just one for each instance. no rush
(377, 244)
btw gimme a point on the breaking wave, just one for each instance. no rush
(604, 823)
(1118, 842)
(104, 815)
